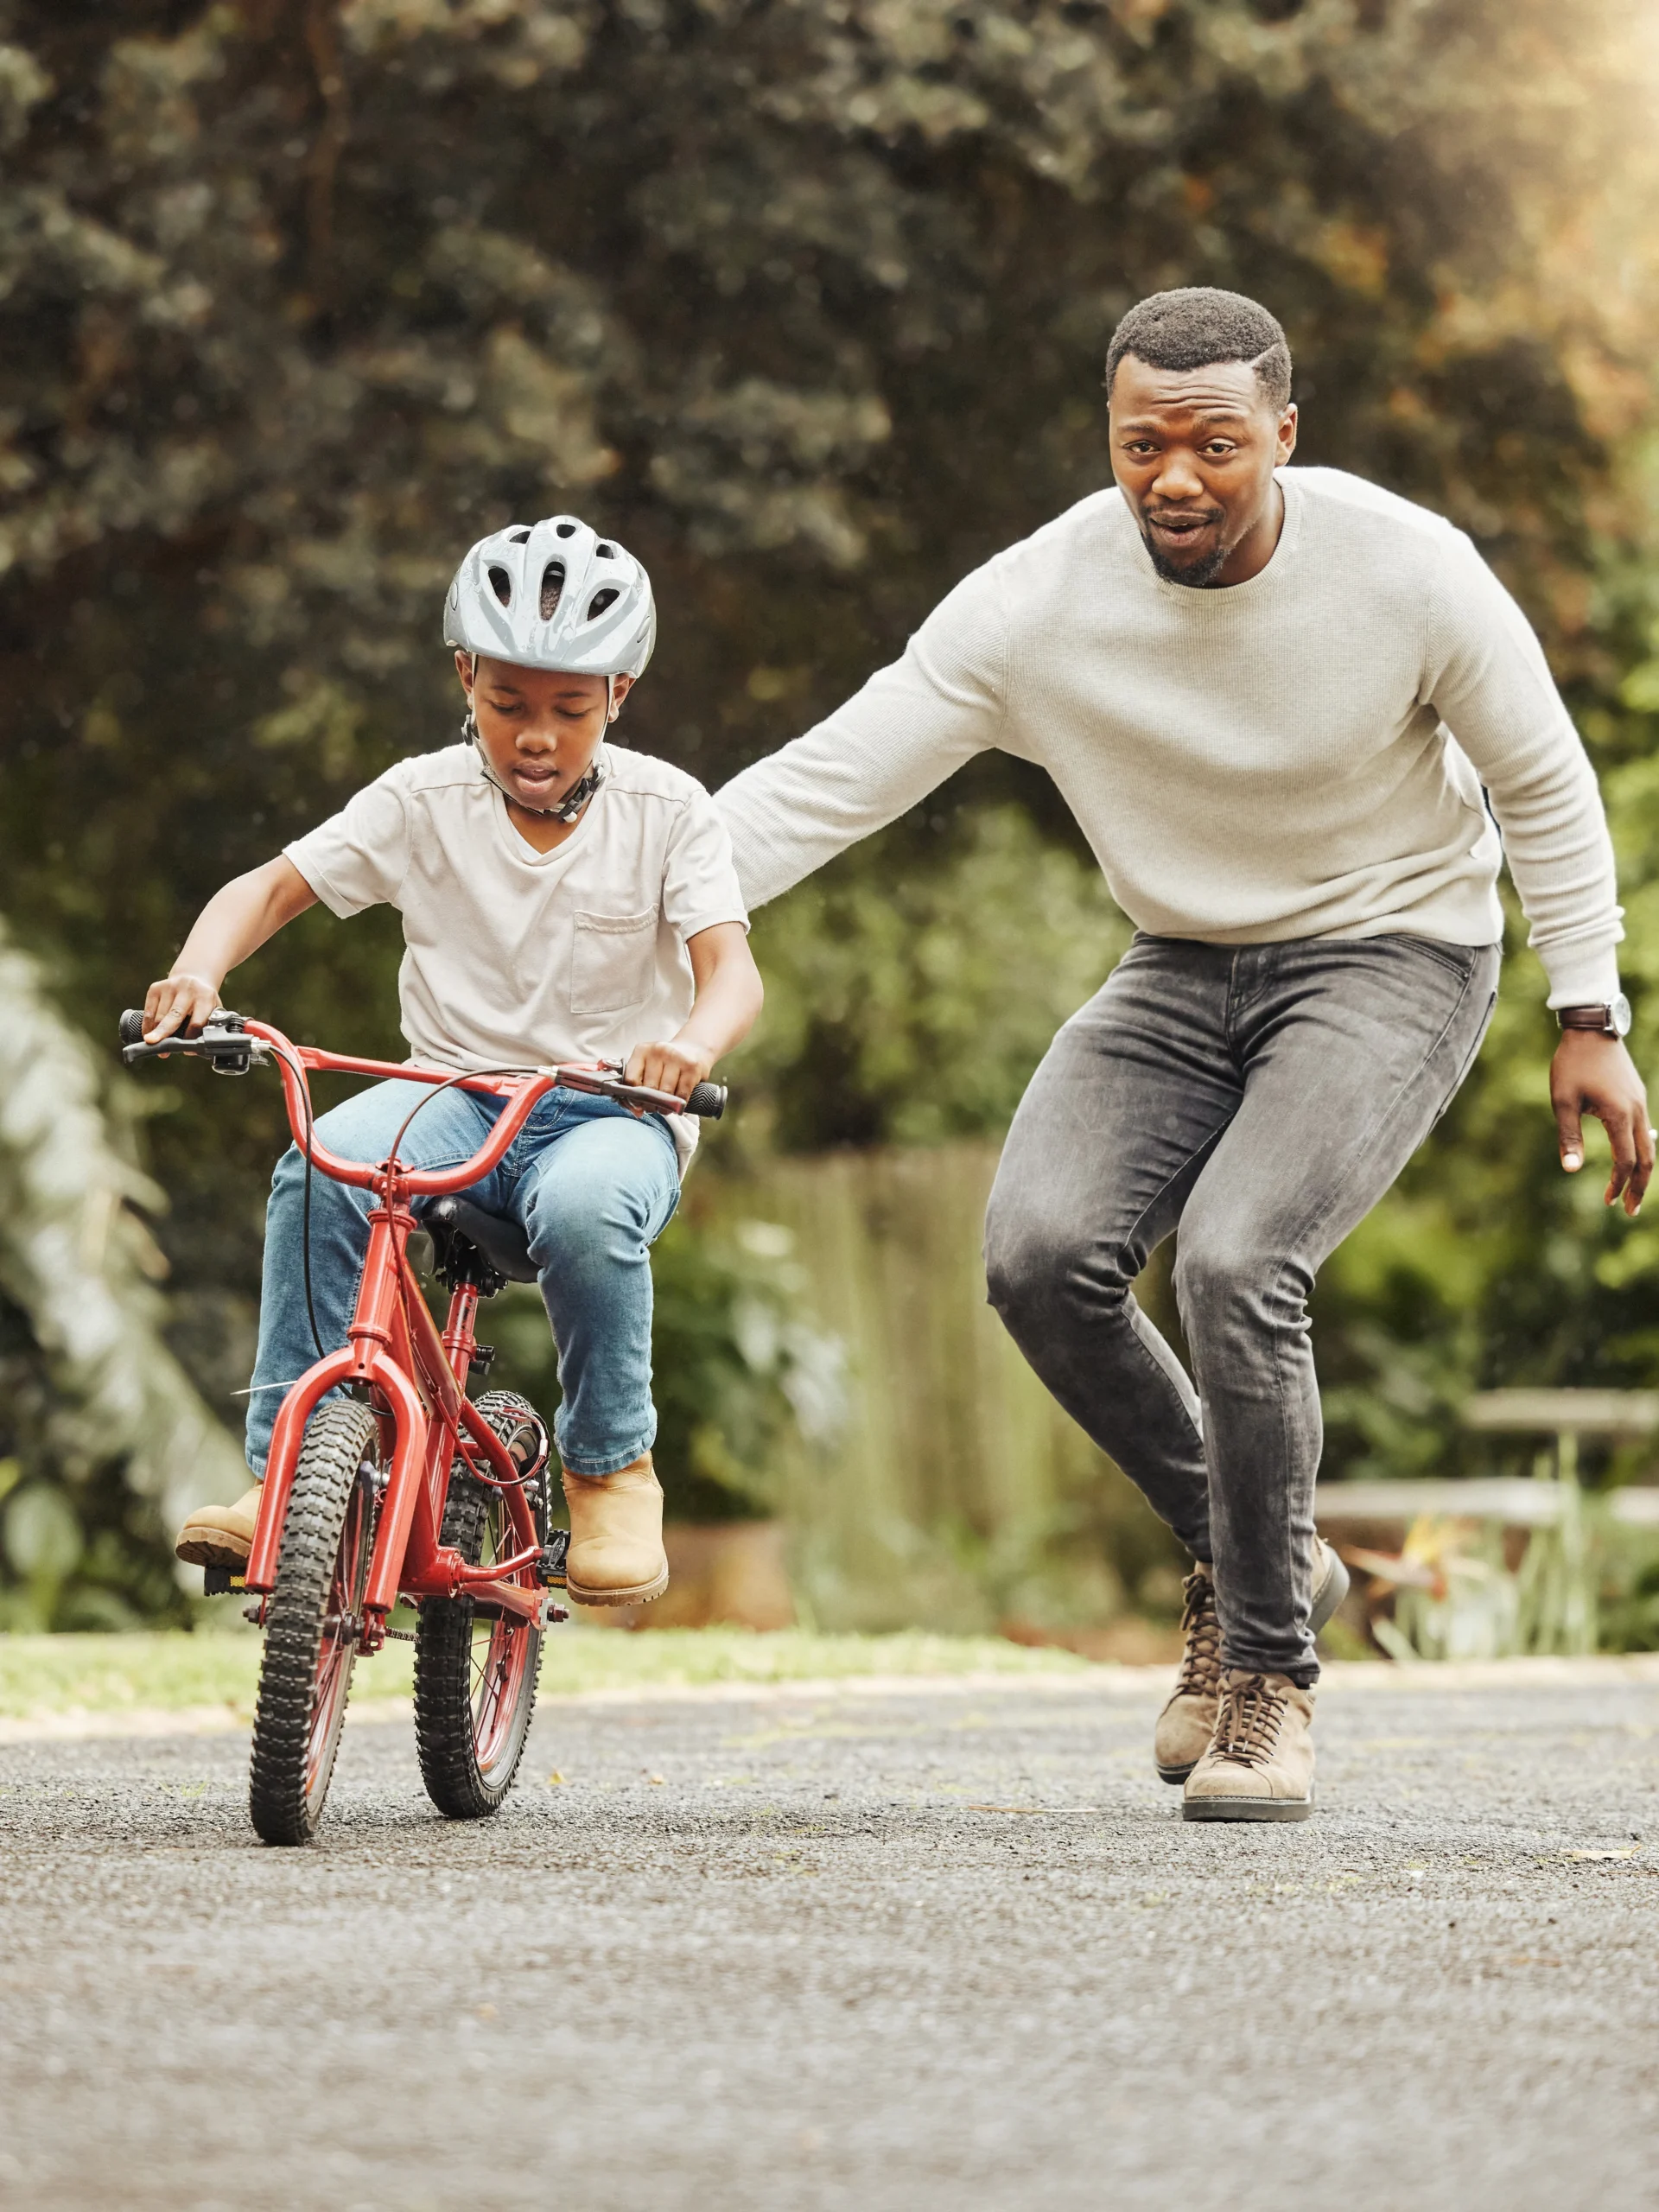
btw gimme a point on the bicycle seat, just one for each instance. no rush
(499, 1243)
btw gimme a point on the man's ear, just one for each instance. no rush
(1287, 422)
(464, 671)
(620, 687)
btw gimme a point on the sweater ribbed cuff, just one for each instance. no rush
(1582, 975)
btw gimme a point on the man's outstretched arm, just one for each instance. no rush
(1491, 684)
(913, 724)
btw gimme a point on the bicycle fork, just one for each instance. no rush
(392, 1340)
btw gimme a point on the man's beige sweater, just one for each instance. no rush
(1302, 755)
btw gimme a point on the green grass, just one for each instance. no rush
(43, 1674)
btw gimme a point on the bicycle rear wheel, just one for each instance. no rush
(475, 1673)
(313, 1621)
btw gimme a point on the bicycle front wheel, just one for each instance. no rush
(313, 1621)
(475, 1673)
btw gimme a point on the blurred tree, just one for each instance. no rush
(908, 1006)
(104, 1442)
(807, 302)
(739, 1371)
(299, 295)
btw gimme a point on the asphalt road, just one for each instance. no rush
(935, 1948)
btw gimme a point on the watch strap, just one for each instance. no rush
(1587, 1017)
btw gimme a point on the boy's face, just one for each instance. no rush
(539, 727)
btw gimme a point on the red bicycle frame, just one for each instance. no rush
(416, 1378)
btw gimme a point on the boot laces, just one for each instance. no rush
(1248, 1723)
(1200, 1674)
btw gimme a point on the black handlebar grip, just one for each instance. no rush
(708, 1101)
(132, 1026)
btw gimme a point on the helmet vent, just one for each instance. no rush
(501, 585)
(564, 530)
(520, 537)
(552, 585)
(600, 600)
(605, 552)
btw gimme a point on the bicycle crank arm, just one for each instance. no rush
(491, 1599)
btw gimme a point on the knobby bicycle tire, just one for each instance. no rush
(312, 1622)
(471, 1715)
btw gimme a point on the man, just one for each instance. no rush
(1272, 698)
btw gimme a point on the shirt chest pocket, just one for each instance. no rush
(613, 962)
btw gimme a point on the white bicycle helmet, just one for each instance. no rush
(553, 595)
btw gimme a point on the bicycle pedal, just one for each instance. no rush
(552, 1566)
(219, 1581)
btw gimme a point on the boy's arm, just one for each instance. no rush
(233, 925)
(728, 998)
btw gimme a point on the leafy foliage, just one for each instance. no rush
(908, 1006)
(735, 1365)
(806, 299)
(103, 1441)
(299, 296)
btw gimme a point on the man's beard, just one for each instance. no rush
(1197, 575)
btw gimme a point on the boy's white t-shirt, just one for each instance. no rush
(514, 957)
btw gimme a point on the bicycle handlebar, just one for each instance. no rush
(232, 1045)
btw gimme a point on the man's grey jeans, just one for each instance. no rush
(1262, 1098)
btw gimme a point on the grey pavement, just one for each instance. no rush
(936, 1947)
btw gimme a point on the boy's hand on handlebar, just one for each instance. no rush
(679, 1067)
(178, 1003)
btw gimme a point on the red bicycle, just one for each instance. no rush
(403, 1490)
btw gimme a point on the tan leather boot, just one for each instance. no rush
(1187, 1722)
(1260, 1762)
(616, 1555)
(220, 1535)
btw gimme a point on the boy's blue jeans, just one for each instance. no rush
(592, 1186)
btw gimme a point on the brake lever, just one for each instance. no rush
(707, 1102)
(223, 1042)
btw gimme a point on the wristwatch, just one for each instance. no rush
(1612, 1019)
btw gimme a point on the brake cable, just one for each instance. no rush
(289, 1062)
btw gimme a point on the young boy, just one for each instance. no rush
(562, 899)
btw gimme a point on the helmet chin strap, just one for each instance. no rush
(579, 793)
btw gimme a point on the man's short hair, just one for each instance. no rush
(1190, 328)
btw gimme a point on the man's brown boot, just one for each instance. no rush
(1187, 1723)
(616, 1555)
(220, 1535)
(1260, 1762)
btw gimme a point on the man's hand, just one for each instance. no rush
(178, 1003)
(679, 1067)
(1593, 1074)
